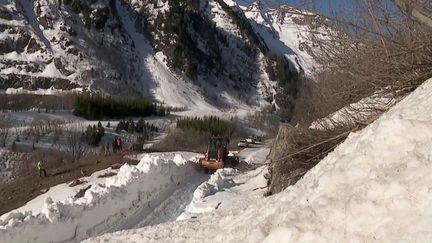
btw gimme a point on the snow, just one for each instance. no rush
(50, 91)
(60, 193)
(283, 35)
(21, 123)
(244, 4)
(174, 204)
(13, 56)
(173, 91)
(19, 118)
(165, 86)
(375, 187)
(163, 187)
(32, 20)
(222, 19)
(124, 60)
(116, 203)
(253, 155)
(51, 71)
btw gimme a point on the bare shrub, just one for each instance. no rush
(35, 129)
(377, 53)
(75, 146)
(18, 124)
(379, 49)
(4, 132)
(298, 149)
(41, 127)
(418, 10)
(57, 130)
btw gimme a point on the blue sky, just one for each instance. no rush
(326, 7)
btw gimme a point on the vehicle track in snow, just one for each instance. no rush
(173, 205)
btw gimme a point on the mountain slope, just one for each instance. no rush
(286, 31)
(198, 53)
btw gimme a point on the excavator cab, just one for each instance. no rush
(216, 156)
(216, 147)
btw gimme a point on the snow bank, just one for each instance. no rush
(115, 205)
(217, 182)
(375, 187)
(225, 188)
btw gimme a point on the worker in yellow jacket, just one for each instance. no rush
(41, 168)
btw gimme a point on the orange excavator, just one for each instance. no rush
(217, 155)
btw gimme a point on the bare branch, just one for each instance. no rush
(416, 12)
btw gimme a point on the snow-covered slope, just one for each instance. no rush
(44, 45)
(268, 3)
(375, 187)
(110, 204)
(287, 31)
(136, 48)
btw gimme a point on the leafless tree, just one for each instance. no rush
(74, 143)
(18, 124)
(57, 127)
(373, 48)
(4, 132)
(416, 11)
(36, 130)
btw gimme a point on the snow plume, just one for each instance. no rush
(115, 205)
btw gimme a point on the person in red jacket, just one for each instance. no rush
(119, 143)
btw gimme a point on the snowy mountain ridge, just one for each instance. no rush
(216, 58)
(266, 3)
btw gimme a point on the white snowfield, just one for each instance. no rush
(120, 202)
(375, 187)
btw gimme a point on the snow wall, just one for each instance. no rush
(118, 204)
